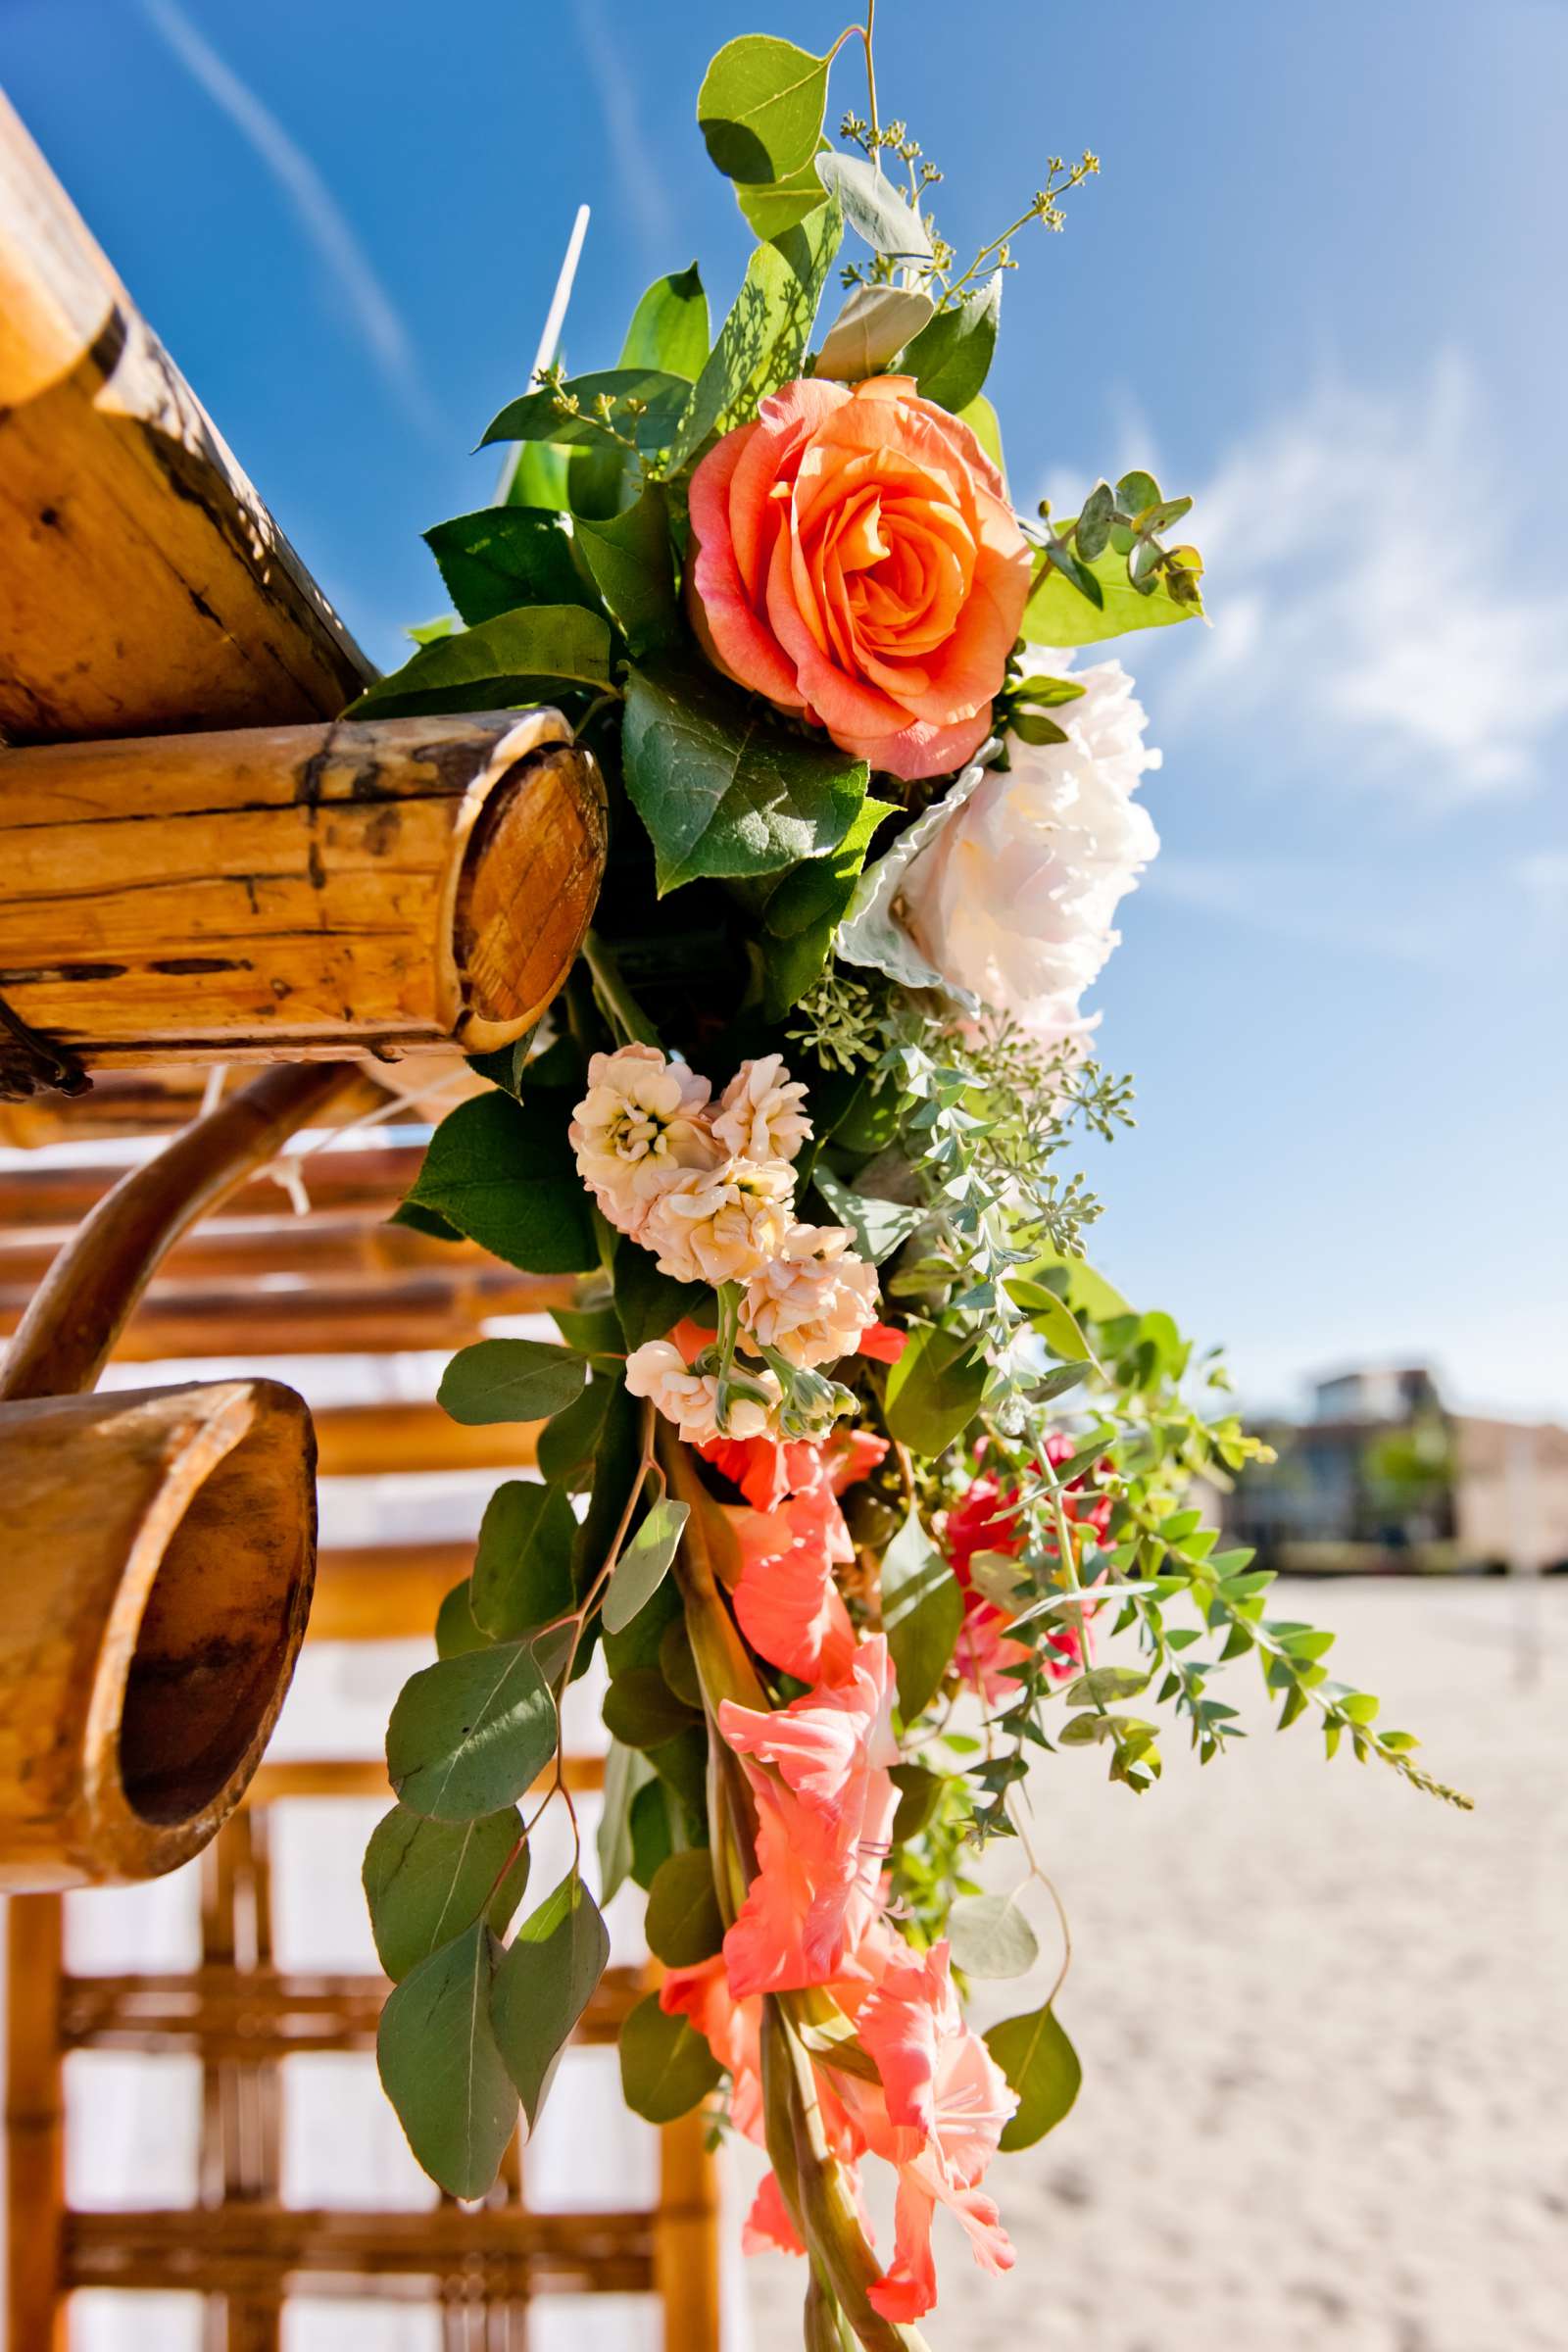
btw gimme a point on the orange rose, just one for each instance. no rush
(854, 558)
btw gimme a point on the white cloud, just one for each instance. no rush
(315, 207)
(1380, 589)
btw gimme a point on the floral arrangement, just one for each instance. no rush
(868, 1492)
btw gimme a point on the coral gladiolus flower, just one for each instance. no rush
(854, 558)
(789, 1607)
(823, 1835)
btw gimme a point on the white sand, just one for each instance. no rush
(1324, 2026)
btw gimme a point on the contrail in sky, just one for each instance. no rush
(315, 207)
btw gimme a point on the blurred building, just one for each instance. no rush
(1383, 1476)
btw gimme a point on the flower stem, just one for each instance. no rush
(616, 1003)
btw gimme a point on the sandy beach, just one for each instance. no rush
(1323, 2022)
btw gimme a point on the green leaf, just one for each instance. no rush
(805, 907)
(1093, 533)
(878, 1226)
(1052, 1317)
(874, 324)
(760, 108)
(667, 2068)
(509, 1380)
(427, 1881)
(770, 212)
(653, 1810)
(455, 1633)
(543, 1984)
(935, 1389)
(537, 416)
(1105, 1684)
(645, 1563)
(630, 560)
(762, 342)
(1041, 2066)
(506, 1177)
(617, 1469)
(520, 657)
(641, 1711)
(669, 327)
(441, 2068)
(505, 557)
(1057, 613)
(919, 1795)
(684, 1925)
(541, 477)
(922, 1612)
(471, 1733)
(523, 1566)
(951, 358)
(981, 419)
(723, 791)
(649, 1304)
(627, 1771)
(873, 206)
(568, 1442)
(991, 1937)
(1088, 1292)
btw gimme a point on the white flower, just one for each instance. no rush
(658, 1370)
(720, 1224)
(761, 1112)
(1012, 898)
(813, 1299)
(642, 1122)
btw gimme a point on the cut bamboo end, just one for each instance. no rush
(297, 892)
(161, 1550)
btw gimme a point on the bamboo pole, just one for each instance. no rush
(280, 891)
(365, 1180)
(337, 1254)
(145, 586)
(366, 1440)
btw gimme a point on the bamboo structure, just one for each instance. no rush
(297, 891)
(145, 587)
(137, 1687)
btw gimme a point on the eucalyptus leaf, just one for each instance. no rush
(1102, 1684)
(991, 1937)
(441, 2067)
(1041, 2066)
(645, 1563)
(760, 108)
(641, 1711)
(569, 1444)
(667, 2068)
(509, 1380)
(471, 1733)
(873, 206)
(455, 1633)
(1052, 1317)
(1058, 613)
(770, 212)
(874, 324)
(951, 358)
(878, 1226)
(922, 1612)
(723, 791)
(684, 1925)
(427, 1881)
(627, 1771)
(520, 656)
(543, 1984)
(523, 1564)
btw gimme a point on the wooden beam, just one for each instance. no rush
(384, 1592)
(282, 892)
(368, 1180)
(367, 1441)
(338, 1253)
(145, 586)
(292, 1779)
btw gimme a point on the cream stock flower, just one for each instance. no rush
(720, 1224)
(762, 1112)
(642, 1122)
(1012, 898)
(814, 1298)
(658, 1371)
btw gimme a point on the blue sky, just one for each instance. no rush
(1318, 285)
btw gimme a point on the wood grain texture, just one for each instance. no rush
(145, 586)
(366, 1180)
(275, 893)
(160, 1555)
(366, 1440)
